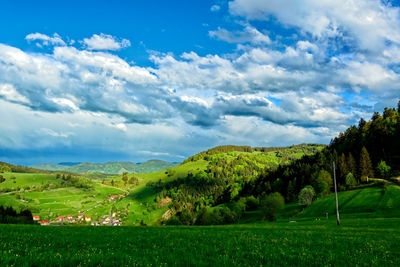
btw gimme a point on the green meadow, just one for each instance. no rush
(357, 242)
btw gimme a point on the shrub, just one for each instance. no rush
(350, 180)
(271, 204)
(252, 203)
(306, 195)
(173, 221)
(383, 169)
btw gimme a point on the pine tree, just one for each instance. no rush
(398, 106)
(291, 190)
(366, 169)
(351, 164)
(343, 169)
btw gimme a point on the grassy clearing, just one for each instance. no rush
(380, 201)
(369, 242)
(16, 181)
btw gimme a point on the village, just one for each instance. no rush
(113, 219)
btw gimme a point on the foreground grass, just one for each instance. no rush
(357, 242)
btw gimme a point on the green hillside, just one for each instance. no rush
(378, 202)
(51, 195)
(109, 167)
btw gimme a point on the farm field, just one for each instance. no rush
(371, 242)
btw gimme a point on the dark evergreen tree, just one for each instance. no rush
(351, 164)
(342, 167)
(366, 169)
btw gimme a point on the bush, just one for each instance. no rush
(350, 180)
(271, 204)
(173, 221)
(252, 203)
(237, 208)
(306, 195)
(383, 169)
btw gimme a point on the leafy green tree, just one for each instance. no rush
(271, 204)
(252, 203)
(366, 169)
(133, 180)
(383, 169)
(112, 182)
(2, 179)
(350, 180)
(125, 177)
(4, 168)
(322, 182)
(306, 195)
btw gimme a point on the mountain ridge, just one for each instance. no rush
(113, 167)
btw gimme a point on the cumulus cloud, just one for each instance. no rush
(8, 92)
(215, 8)
(261, 93)
(105, 42)
(45, 40)
(248, 35)
(370, 23)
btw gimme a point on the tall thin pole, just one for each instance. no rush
(336, 196)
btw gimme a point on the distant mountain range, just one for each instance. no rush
(108, 168)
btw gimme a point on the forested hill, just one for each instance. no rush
(371, 149)
(269, 156)
(110, 167)
(218, 176)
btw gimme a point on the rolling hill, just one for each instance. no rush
(49, 196)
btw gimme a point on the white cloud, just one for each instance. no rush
(260, 94)
(369, 75)
(370, 23)
(53, 133)
(248, 35)
(8, 92)
(215, 8)
(45, 39)
(105, 42)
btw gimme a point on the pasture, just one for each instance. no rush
(370, 242)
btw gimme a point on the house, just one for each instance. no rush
(70, 216)
(95, 224)
(88, 219)
(116, 222)
(60, 218)
(36, 218)
(81, 216)
(114, 214)
(44, 222)
(112, 198)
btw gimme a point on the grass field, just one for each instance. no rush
(368, 242)
(22, 180)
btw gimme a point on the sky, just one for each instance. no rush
(136, 80)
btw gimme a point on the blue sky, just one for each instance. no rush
(117, 80)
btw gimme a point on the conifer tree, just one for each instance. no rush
(366, 169)
(351, 164)
(342, 164)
